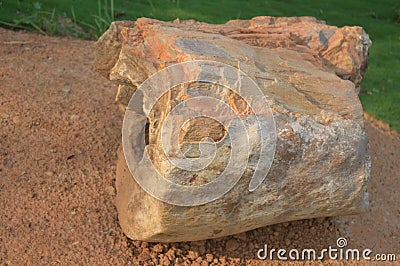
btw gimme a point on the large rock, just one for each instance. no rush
(309, 73)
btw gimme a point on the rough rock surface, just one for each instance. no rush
(321, 165)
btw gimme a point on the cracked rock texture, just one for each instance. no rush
(310, 73)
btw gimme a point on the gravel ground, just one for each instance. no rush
(59, 135)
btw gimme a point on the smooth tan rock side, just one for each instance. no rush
(309, 73)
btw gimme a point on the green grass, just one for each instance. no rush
(89, 18)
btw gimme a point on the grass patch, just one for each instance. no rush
(90, 18)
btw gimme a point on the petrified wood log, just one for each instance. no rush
(309, 73)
